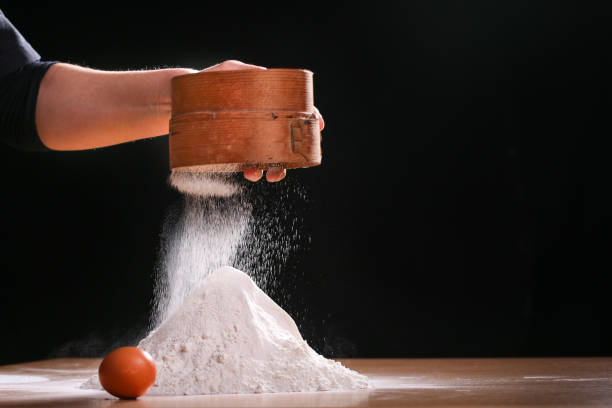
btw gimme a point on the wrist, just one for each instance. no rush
(164, 88)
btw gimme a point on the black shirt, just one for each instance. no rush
(15, 51)
(21, 73)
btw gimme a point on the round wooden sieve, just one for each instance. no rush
(231, 120)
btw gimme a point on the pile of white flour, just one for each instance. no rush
(229, 337)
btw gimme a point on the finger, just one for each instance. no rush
(274, 175)
(321, 121)
(253, 174)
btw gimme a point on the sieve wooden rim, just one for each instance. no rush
(232, 120)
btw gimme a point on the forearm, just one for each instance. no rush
(81, 108)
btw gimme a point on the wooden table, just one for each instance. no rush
(574, 382)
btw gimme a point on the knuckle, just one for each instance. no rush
(231, 62)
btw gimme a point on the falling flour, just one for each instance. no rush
(206, 236)
(215, 330)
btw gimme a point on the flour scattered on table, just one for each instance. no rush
(229, 337)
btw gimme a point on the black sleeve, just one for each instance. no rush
(18, 95)
(21, 73)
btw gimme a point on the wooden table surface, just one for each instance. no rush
(573, 382)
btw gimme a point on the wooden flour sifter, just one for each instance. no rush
(226, 121)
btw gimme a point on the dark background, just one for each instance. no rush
(462, 209)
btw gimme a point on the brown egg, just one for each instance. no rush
(127, 372)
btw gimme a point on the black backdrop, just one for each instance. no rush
(462, 208)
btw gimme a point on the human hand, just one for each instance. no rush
(254, 174)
